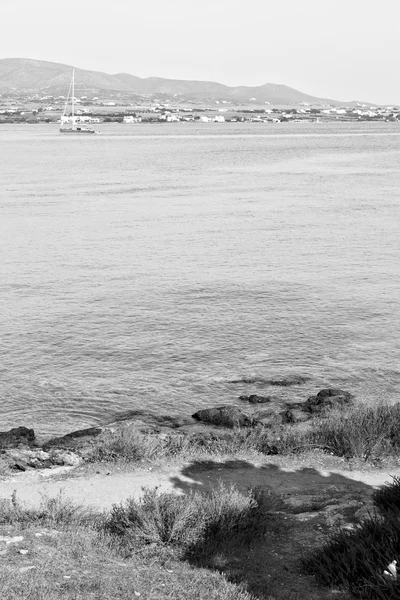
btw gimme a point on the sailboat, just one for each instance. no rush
(72, 120)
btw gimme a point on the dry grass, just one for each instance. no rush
(363, 431)
(67, 557)
(194, 524)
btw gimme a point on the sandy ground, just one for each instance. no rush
(103, 488)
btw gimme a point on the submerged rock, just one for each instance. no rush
(255, 399)
(327, 398)
(257, 380)
(284, 381)
(145, 418)
(227, 416)
(17, 436)
(289, 380)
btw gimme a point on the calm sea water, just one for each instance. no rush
(147, 267)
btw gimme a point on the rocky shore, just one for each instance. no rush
(21, 450)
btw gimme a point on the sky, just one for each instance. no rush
(340, 49)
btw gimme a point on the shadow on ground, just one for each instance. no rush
(309, 505)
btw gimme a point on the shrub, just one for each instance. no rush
(358, 559)
(387, 498)
(159, 518)
(52, 511)
(124, 444)
(362, 431)
(193, 524)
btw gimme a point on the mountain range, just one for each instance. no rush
(25, 75)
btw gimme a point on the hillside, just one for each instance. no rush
(24, 75)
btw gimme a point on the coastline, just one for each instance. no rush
(310, 494)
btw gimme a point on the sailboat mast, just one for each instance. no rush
(73, 98)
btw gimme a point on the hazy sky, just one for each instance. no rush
(341, 49)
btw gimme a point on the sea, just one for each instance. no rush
(160, 267)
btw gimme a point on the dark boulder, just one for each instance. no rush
(17, 436)
(326, 399)
(255, 399)
(74, 439)
(227, 416)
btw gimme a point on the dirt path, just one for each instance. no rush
(101, 490)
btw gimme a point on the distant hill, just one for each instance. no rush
(26, 75)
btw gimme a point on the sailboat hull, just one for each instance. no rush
(89, 131)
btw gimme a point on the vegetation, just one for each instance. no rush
(137, 549)
(364, 559)
(368, 432)
(364, 432)
(387, 498)
(186, 546)
(195, 524)
(50, 512)
(129, 445)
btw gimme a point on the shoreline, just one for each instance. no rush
(301, 499)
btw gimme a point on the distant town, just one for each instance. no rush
(36, 108)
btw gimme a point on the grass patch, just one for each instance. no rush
(80, 564)
(128, 445)
(65, 556)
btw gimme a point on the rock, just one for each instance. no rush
(255, 399)
(327, 398)
(366, 513)
(65, 457)
(11, 540)
(73, 439)
(289, 380)
(256, 380)
(297, 415)
(18, 466)
(335, 520)
(227, 416)
(284, 381)
(26, 569)
(269, 417)
(141, 418)
(172, 422)
(15, 437)
(22, 459)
